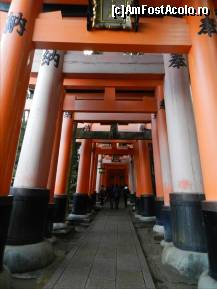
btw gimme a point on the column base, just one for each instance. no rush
(188, 230)
(61, 229)
(75, 217)
(5, 279)
(158, 229)
(147, 207)
(137, 205)
(80, 204)
(132, 199)
(166, 217)
(159, 203)
(145, 219)
(26, 258)
(188, 263)
(206, 281)
(5, 212)
(210, 219)
(28, 216)
(61, 203)
(49, 221)
(164, 243)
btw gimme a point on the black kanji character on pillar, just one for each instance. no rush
(51, 55)
(208, 26)
(177, 61)
(14, 20)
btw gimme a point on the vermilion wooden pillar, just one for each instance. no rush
(187, 191)
(93, 171)
(81, 198)
(145, 168)
(63, 165)
(15, 65)
(84, 167)
(163, 145)
(157, 171)
(156, 156)
(16, 44)
(55, 153)
(203, 73)
(165, 162)
(30, 183)
(64, 155)
(137, 169)
(18, 123)
(138, 177)
(92, 167)
(147, 197)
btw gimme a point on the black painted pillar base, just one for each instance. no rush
(61, 203)
(49, 221)
(28, 249)
(138, 205)
(210, 219)
(28, 216)
(166, 218)
(132, 199)
(93, 200)
(147, 205)
(81, 204)
(5, 213)
(188, 228)
(159, 202)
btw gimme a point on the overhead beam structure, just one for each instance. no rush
(154, 36)
(81, 134)
(147, 105)
(87, 81)
(111, 117)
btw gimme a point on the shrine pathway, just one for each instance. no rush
(108, 256)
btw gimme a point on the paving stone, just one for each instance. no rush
(109, 256)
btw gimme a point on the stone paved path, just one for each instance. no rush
(108, 256)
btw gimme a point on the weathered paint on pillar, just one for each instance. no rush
(145, 169)
(35, 157)
(182, 139)
(84, 167)
(64, 155)
(55, 155)
(16, 45)
(203, 73)
(156, 157)
(164, 147)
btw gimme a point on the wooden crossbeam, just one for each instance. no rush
(147, 105)
(111, 117)
(154, 36)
